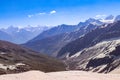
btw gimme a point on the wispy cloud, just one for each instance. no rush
(52, 12)
(42, 13)
(100, 16)
(37, 14)
(30, 16)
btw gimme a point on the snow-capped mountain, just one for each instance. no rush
(108, 19)
(90, 21)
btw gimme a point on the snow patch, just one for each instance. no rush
(11, 67)
(76, 55)
(101, 56)
(3, 53)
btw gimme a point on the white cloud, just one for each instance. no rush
(30, 16)
(43, 13)
(37, 14)
(100, 16)
(52, 12)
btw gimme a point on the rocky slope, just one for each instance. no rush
(14, 59)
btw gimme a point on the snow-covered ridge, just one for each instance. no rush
(111, 44)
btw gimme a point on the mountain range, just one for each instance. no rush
(92, 45)
(57, 37)
(20, 35)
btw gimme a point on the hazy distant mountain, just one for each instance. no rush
(5, 36)
(15, 59)
(22, 35)
(55, 31)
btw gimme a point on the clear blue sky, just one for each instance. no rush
(53, 12)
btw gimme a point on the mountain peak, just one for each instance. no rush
(117, 18)
(110, 17)
(90, 21)
(93, 21)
